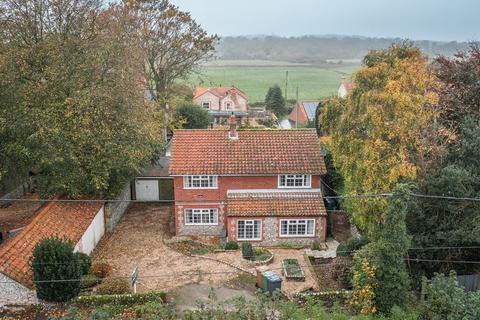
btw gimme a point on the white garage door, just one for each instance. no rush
(146, 189)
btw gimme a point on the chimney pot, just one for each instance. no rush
(233, 134)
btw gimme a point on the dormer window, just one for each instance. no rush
(294, 181)
(229, 106)
(206, 105)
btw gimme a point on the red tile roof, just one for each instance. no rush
(348, 86)
(220, 92)
(266, 204)
(254, 152)
(62, 219)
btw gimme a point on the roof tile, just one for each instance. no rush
(275, 204)
(62, 219)
(254, 152)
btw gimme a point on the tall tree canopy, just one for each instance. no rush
(73, 106)
(173, 44)
(382, 134)
(453, 223)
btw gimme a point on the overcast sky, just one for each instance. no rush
(415, 19)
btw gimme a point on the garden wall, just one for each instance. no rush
(115, 210)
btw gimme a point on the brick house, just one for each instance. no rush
(261, 186)
(221, 102)
(304, 112)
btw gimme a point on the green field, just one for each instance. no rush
(256, 76)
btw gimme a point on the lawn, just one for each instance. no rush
(256, 76)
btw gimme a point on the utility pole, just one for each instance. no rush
(296, 106)
(286, 86)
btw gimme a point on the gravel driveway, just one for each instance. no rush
(137, 241)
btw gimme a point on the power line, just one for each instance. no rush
(353, 196)
(444, 197)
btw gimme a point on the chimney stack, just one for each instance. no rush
(233, 134)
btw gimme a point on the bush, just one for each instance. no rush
(155, 310)
(120, 299)
(101, 270)
(353, 244)
(114, 286)
(231, 245)
(85, 262)
(342, 271)
(445, 300)
(193, 116)
(53, 259)
(247, 250)
(89, 280)
(317, 245)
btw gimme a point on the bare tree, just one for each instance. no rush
(172, 42)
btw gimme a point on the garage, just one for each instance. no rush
(154, 183)
(146, 190)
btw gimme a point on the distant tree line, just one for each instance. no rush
(318, 49)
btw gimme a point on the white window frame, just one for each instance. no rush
(297, 222)
(201, 212)
(229, 105)
(188, 181)
(306, 180)
(250, 222)
(206, 103)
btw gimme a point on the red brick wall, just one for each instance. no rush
(229, 183)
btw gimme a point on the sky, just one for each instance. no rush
(441, 20)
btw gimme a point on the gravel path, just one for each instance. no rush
(138, 242)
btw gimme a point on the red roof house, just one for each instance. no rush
(221, 102)
(80, 222)
(304, 112)
(253, 185)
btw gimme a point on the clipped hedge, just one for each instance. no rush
(231, 245)
(120, 299)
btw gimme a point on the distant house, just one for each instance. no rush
(221, 102)
(80, 222)
(259, 186)
(344, 89)
(304, 112)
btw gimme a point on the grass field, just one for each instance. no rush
(256, 76)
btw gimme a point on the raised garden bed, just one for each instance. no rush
(292, 270)
(261, 256)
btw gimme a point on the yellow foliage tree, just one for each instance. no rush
(384, 132)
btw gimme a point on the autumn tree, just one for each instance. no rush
(385, 132)
(459, 86)
(173, 44)
(76, 109)
(443, 222)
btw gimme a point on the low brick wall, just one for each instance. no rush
(115, 210)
